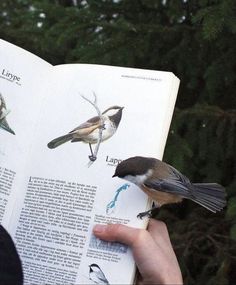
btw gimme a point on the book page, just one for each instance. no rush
(21, 75)
(69, 185)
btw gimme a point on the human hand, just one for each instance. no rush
(151, 248)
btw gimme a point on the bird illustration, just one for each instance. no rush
(165, 185)
(3, 113)
(96, 274)
(88, 132)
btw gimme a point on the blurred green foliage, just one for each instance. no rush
(196, 40)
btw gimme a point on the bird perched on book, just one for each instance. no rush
(165, 185)
(3, 113)
(88, 132)
(96, 274)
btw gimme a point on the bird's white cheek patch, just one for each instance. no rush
(112, 112)
(138, 179)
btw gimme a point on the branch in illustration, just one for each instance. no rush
(93, 156)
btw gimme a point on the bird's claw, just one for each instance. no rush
(92, 157)
(144, 214)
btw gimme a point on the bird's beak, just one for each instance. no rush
(114, 175)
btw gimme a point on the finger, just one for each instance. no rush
(117, 232)
(139, 240)
(158, 231)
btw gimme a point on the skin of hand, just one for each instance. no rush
(151, 248)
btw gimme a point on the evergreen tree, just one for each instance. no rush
(196, 40)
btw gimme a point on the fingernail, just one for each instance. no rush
(99, 228)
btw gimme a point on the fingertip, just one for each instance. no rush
(105, 232)
(115, 232)
(99, 229)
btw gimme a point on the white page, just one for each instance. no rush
(53, 246)
(21, 75)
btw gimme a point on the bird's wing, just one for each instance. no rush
(88, 127)
(176, 184)
(2, 102)
(176, 175)
(101, 276)
(4, 125)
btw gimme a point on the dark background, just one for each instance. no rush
(195, 39)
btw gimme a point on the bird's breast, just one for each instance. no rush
(108, 131)
(160, 197)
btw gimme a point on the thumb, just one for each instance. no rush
(116, 232)
(142, 244)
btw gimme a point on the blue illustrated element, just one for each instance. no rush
(111, 205)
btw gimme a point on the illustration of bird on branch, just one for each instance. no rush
(95, 130)
(3, 114)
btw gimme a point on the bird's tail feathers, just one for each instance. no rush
(209, 195)
(76, 140)
(4, 125)
(60, 140)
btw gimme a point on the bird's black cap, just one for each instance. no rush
(136, 165)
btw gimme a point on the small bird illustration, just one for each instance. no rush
(3, 113)
(96, 274)
(165, 185)
(88, 132)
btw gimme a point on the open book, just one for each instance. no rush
(63, 130)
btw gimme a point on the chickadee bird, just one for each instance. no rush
(88, 132)
(3, 113)
(96, 274)
(165, 185)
